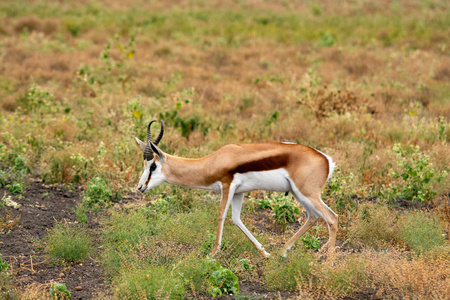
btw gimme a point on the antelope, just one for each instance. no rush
(240, 168)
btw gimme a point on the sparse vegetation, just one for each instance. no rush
(366, 83)
(67, 243)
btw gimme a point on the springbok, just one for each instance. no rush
(236, 169)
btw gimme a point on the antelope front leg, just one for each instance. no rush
(223, 208)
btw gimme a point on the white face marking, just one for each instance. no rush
(273, 180)
(152, 176)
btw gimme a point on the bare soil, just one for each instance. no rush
(40, 207)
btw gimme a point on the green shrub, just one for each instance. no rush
(284, 273)
(222, 281)
(284, 210)
(66, 243)
(38, 99)
(16, 188)
(264, 203)
(311, 242)
(98, 194)
(417, 175)
(59, 291)
(149, 282)
(421, 232)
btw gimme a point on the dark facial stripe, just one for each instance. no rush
(148, 180)
(150, 173)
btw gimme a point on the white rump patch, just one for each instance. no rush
(331, 164)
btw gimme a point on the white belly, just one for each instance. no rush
(274, 180)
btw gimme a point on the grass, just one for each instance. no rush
(68, 244)
(421, 232)
(366, 83)
(285, 274)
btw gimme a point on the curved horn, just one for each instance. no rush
(149, 134)
(161, 133)
(148, 152)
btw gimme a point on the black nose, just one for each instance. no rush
(141, 189)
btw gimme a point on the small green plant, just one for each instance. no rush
(187, 124)
(3, 264)
(161, 206)
(441, 129)
(16, 188)
(416, 173)
(80, 213)
(68, 244)
(38, 99)
(98, 194)
(327, 40)
(242, 268)
(264, 203)
(222, 281)
(59, 291)
(3, 179)
(311, 241)
(284, 210)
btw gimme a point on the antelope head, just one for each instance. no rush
(154, 159)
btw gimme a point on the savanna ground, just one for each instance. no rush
(365, 82)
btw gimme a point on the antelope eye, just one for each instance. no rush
(153, 167)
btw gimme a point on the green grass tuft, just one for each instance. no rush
(68, 243)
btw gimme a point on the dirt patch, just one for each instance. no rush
(40, 207)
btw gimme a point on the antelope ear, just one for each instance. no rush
(158, 152)
(141, 143)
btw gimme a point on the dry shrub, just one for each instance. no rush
(33, 23)
(324, 101)
(7, 222)
(347, 276)
(36, 291)
(444, 213)
(9, 103)
(386, 275)
(397, 276)
(442, 72)
(64, 129)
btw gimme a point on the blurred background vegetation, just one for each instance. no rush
(365, 82)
